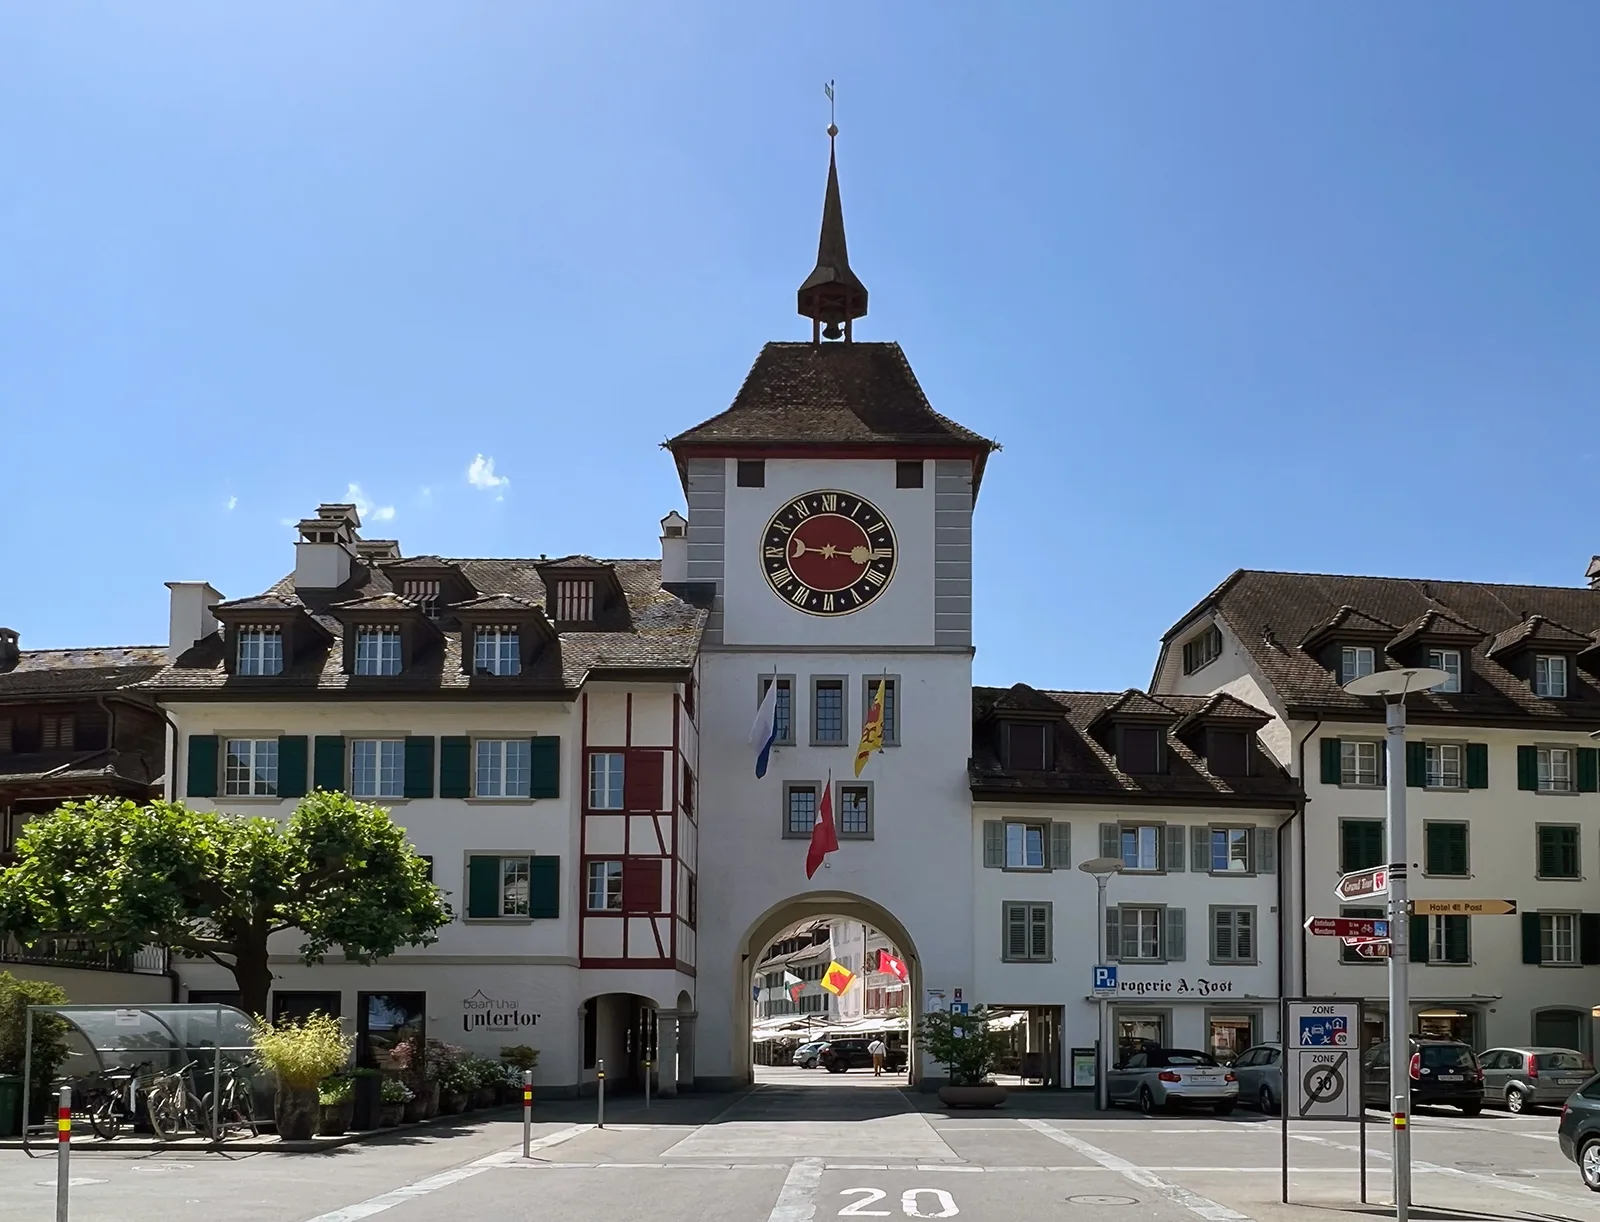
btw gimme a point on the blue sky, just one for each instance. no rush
(1266, 284)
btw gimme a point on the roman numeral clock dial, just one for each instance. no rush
(828, 553)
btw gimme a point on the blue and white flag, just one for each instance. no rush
(765, 728)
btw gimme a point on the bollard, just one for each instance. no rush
(647, 1086)
(527, 1112)
(63, 1150)
(600, 1073)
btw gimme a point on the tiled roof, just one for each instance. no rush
(62, 672)
(1437, 626)
(1084, 768)
(378, 602)
(1537, 630)
(1134, 703)
(1348, 620)
(1270, 611)
(652, 630)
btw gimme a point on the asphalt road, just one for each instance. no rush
(805, 1145)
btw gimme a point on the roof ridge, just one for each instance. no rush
(83, 648)
(1452, 581)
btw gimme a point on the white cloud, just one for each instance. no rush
(368, 511)
(233, 501)
(481, 475)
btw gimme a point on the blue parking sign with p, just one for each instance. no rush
(1105, 977)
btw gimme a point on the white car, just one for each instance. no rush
(1160, 1077)
(806, 1055)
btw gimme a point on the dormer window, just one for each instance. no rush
(1202, 650)
(378, 650)
(1355, 661)
(425, 594)
(574, 601)
(497, 651)
(260, 651)
(1139, 750)
(1449, 661)
(1550, 676)
(1228, 752)
(1025, 746)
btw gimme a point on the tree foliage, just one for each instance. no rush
(339, 873)
(49, 1033)
(962, 1043)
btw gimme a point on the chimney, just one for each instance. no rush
(190, 620)
(325, 554)
(1594, 573)
(674, 549)
(10, 651)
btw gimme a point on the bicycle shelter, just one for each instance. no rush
(154, 1039)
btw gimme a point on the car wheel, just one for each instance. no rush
(1147, 1101)
(1517, 1101)
(1589, 1164)
(1225, 1108)
(1471, 1109)
(1265, 1101)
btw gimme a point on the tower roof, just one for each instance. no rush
(832, 293)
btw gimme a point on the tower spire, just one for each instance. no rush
(832, 294)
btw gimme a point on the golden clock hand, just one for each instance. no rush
(862, 555)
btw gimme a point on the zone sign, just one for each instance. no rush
(828, 552)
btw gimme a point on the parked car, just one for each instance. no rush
(1525, 1079)
(1260, 1074)
(1162, 1077)
(1442, 1072)
(836, 1056)
(805, 1056)
(1579, 1133)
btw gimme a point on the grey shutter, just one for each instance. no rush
(1266, 850)
(994, 844)
(1016, 946)
(1244, 933)
(1222, 939)
(1110, 841)
(1113, 934)
(1175, 935)
(1060, 846)
(1200, 842)
(1174, 853)
(1039, 931)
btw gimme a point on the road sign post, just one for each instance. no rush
(1321, 1068)
(1347, 927)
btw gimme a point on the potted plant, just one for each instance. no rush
(485, 1077)
(965, 1046)
(411, 1059)
(301, 1055)
(455, 1082)
(396, 1094)
(517, 1058)
(367, 1089)
(336, 1105)
(49, 1049)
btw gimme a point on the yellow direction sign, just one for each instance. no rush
(1463, 907)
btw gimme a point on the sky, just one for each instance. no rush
(1270, 284)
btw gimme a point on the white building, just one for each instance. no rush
(531, 724)
(1183, 794)
(1502, 773)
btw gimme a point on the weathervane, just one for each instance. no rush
(833, 127)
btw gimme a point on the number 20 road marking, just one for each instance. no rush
(908, 1203)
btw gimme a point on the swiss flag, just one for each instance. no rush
(888, 963)
(824, 839)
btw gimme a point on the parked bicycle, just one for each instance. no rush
(236, 1109)
(173, 1107)
(111, 1099)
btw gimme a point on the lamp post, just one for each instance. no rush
(1102, 868)
(1394, 686)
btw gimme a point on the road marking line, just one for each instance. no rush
(1490, 1181)
(797, 1200)
(1196, 1204)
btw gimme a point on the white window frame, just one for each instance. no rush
(1240, 847)
(1157, 833)
(848, 833)
(603, 881)
(260, 651)
(516, 886)
(1551, 928)
(785, 697)
(497, 651)
(378, 650)
(1155, 927)
(1020, 841)
(257, 775)
(1356, 661)
(841, 684)
(1202, 649)
(387, 775)
(502, 767)
(1445, 767)
(791, 830)
(607, 772)
(1233, 912)
(1352, 753)
(1449, 661)
(1554, 778)
(1550, 675)
(1436, 942)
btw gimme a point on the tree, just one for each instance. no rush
(962, 1043)
(218, 886)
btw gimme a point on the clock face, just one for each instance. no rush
(828, 553)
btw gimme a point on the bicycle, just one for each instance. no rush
(112, 1098)
(236, 1109)
(173, 1107)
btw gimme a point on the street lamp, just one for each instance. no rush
(1394, 686)
(1102, 868)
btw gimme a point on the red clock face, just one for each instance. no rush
(828, 553)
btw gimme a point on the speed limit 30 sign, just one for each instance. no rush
(1322, 1060)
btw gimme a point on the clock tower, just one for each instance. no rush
(830, 519)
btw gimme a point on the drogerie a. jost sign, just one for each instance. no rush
(1177, 986)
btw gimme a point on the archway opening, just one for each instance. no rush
(620, 1035)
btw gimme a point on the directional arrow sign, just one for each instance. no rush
(1374, 950)
(1363, 883)
(1347, 927)
(1464, 907)
(1361, 941)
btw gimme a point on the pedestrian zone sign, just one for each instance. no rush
(1329, 1031)
(1321, 1071)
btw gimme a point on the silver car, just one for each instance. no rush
(1525, 1079)
(1260, 1073)
(806, 1055)
(1160, 1077)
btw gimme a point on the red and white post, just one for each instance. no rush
(63, 1150)
(527, 1113)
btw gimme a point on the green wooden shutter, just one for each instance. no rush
(455, 767)
(1060, 846)
(327, 762)
(1416, 765)
(1419, 939)
(1110, 841)
(545, 767)
(292, 765)
(1016, 932)
(1200, 849)
(1332, 761)
(1173, 856)
(1176, 939)
(1530, 938)
(419, 766)
(1549, 863)
(1113, 933)
(1528, 768)
(994, 844)
(483, 886)
(1589, 937)
(544, 888)
(1362, 844)
(203, 750)
(1477, 765)
(1266, 850)
(1588, 769)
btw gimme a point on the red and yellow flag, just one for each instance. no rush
(871, 730)
(837, 978)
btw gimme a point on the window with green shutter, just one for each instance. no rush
(994, 844)
(1477, 765)
(1588, 769)
(1418, 937)
(455, 767)
(1332, 761)
(1528, 768)
(1446, 849)
(1416, 765)
(202, 775)
(544, 888)
(1558, 851)
(1360, 844)
(419, 766)
(327, 767)
(293, 765)
(545, 762)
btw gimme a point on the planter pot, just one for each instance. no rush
(415, 1109)
(483, 1097)
(335, 1118)
(451, 1102)
(297, 1112)
(368, 1101)
(389, 1114)
(430, 1100)
(972, 1096)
